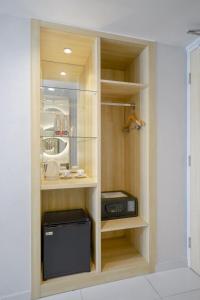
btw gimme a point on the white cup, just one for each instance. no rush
(80, 172)
(67, 173)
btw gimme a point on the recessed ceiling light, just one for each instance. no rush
(62, 73)
(51, 89)
(67, 50)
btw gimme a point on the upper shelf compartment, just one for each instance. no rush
(122, 74)
(67, 59)
(68, 107)
(120, 88)
(118, 55)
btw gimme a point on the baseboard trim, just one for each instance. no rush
(172, 264)
(26, 295)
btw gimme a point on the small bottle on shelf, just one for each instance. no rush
(65, 130)
(57, 125)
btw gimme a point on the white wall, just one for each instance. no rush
(171, 156)
(15, 157)
(15, 217)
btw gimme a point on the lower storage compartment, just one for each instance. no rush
(64, 234)
(125, 249)
(68, 234)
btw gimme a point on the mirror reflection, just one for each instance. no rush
(59, 123)
(54, 145)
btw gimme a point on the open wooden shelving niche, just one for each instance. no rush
(119, 254)
(125, 242)
(101, 69)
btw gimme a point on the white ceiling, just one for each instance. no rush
(165, 21)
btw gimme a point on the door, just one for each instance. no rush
(195, 160)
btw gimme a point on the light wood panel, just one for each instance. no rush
(195, 159)
(53, 43)
(87, 113)
(113, 234)
(63, 199)
(120, 88)
(132, 71)
(119, 253)
(148, 104)
(35, 161)
(98, 149)
(118, 54)
(132, 155)
(112, 74)
(140, 183)
(120, 224)
(112, 148)
(68, 183)
(92, 207)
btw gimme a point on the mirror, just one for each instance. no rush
(54, 145)
(58, 123)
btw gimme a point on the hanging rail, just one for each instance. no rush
(118, 104)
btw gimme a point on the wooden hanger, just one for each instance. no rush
(132, 119)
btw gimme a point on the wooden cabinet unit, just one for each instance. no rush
(93, 108)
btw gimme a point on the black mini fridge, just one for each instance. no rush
(66, 245)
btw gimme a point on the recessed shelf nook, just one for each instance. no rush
(77, 122)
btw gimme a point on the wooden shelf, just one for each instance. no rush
(120, 224)
(68, 183)
(119, 253)
(120, 88)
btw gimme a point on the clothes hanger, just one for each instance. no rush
(133, 119)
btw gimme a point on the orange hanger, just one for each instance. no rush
(132, 119)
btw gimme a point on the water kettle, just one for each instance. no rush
(52, 170)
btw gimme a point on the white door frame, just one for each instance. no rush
(189, 49)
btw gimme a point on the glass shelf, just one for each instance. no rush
(67, 137)
(68, 110)
(50, 67)
(52, 90)
(68, 114)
